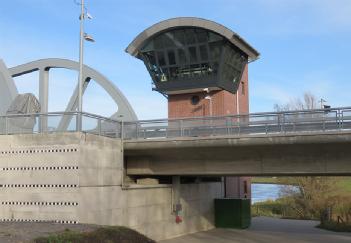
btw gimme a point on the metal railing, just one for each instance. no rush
(318, 120)
(49, 123)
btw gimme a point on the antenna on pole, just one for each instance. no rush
(322, 101)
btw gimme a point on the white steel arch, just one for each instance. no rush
(125, 111)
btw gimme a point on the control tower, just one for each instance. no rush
(202, 68)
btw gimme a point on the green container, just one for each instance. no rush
(232, 213)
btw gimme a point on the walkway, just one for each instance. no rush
(264, 229)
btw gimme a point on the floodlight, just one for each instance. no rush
(88, 37)
(89, 16)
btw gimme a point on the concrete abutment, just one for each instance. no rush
(78, 178)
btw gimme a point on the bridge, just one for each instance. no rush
(78, 162)
(307, 142)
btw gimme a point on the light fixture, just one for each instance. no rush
(88, 37)
(89, 16)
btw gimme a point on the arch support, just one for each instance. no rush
(125, 111)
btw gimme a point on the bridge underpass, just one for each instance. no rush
(315, 153)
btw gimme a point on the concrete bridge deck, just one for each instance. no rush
(309, 142)
(309, 153)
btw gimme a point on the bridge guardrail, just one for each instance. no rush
(49, 123)
(254, 123)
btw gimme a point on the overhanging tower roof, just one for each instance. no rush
(135, 46)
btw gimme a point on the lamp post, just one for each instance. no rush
(83, 36)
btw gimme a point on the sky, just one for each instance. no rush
(305, 46)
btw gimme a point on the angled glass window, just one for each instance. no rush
(192, 54)
(171, 57)
(203, 52)
(202, 36)
(161, 58)
(190, 36)
(189, 55)
(182, 57)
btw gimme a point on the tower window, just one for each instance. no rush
(195, 100)
(161, 58)
(171, 57)
(203, 52)
(193, 55)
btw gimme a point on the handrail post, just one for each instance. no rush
(99, 126)
(6, 126)
(137, 130)
(341, 119)
(227, 125)
(181, 128)
(122, 130)
(323, 125)
(167, 128)
(282, 122)
(239, 125)
(79, 122)
(40, 129)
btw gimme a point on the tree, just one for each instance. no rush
(315, 194)
(308, 102)
(312, 197)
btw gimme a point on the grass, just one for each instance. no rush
(267, 208)
(113, 234)
(336, 227)
(345, 184)
(264, 180)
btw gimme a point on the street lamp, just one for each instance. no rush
(83, 36)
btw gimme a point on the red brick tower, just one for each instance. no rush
(212, 102)
(202, 67)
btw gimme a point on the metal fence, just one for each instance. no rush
(52, 122)
(247, 124)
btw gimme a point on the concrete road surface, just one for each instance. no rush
(270, 230)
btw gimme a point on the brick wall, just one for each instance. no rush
(223, 102)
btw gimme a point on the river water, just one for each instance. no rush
(263, 192)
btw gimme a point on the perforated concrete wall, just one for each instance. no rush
(77, 178)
